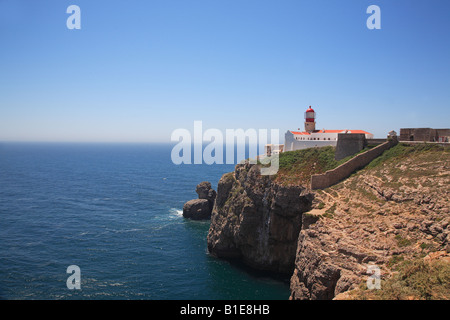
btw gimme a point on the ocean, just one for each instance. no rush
(115, 211)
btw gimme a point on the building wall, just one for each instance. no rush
(415, 134)
(348, 144)
(317, 139)
(324, 136)
(423, 134)
(442, 135)
(310, 126)
(291, 144)
(273, 149)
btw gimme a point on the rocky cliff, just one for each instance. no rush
(257, 220)
(394, 211)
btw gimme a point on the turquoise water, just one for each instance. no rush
(114, 210)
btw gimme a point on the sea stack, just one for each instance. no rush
(201, 208)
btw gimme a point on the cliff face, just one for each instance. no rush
(328, 261)
(257, 220)
(395, 210)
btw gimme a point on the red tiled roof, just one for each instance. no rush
(329, 131)
(360, 131)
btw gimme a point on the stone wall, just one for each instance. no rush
(348, 144)
(331, 177)
(415, 134)
(372, 142)
(442, 133)
(422, 134)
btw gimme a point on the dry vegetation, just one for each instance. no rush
(397, 209)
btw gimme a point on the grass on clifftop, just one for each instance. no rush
(405, 150)
(297, 167)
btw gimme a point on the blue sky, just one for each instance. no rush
(137, 70)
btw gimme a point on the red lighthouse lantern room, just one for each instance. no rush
(310, 115)
(310, 120)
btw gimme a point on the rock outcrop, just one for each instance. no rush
(201, 208)
(205, 191)
(257, 220)
(197, 209)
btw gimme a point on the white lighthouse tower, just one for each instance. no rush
(310, 120)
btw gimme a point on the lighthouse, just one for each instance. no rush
(310, 120)
(312, 138)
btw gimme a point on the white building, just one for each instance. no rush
(296, 140)
(274, 149)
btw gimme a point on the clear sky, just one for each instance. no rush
(137, 70)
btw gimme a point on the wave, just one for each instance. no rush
(175, 213)
(124, 230)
